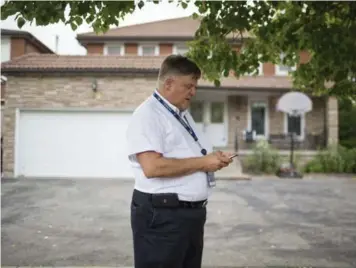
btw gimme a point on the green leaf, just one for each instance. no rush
(78, 20)
(217, 83)
(291, 27)
(140, 4)
(195, 16)
(20, 22)
(74, 26)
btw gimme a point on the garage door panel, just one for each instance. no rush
(73, 144)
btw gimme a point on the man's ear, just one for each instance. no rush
(168, 82)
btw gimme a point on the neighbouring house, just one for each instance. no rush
(15, 43)
(66, 116)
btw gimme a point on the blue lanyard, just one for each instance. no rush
(185, 125)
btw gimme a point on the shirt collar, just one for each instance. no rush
(181, 113)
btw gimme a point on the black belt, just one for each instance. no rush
(193, 204)
(152, 198)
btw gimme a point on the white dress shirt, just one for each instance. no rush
(154, 128)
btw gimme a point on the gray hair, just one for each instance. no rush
(178, 65)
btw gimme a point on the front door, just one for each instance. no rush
(210, 118)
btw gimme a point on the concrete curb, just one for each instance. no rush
(242, 177)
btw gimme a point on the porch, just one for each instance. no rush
(237, 118)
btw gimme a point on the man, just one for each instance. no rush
(173, 167)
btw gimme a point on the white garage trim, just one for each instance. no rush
(76, 155)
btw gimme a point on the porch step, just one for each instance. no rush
(232, 172)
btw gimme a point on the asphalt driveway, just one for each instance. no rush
(250, 223)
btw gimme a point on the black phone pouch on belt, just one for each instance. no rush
(165, 200)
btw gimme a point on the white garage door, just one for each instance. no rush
(72, 144)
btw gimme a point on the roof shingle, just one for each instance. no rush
(29, 37)
(44, 63)
(183, 27)
(168, 30)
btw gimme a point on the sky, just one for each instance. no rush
(68, 45)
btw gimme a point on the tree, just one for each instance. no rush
(264, 30)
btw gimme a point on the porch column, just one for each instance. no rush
(332, 121)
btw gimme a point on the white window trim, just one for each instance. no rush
(122, 48)
(148, 44)
(260, 69)
(175, 48)
(249, 119)
(278, 70)
(6, 46)
(302, 127)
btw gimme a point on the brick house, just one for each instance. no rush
(67, 115)
(15, 43)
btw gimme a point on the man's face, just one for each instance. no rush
(181, 90)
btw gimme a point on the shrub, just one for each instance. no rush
(335, 159)
(264, 158)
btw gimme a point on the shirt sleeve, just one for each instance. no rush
(144, 133)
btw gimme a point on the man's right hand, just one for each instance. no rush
(215, 161)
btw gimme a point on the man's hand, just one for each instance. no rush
(216, 161)
(154, 165)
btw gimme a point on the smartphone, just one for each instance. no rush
(234, 155)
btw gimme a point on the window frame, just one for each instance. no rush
(302, 127)
(279, 71)
(156, 48)
(107, 45)
(176, 46)
(264, 103)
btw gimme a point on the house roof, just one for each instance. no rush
(51, 63)
(29, 37)
(178, 29)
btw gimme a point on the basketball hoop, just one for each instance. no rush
(294, 104)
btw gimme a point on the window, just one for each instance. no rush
(180, 49)
(217, 112)
(5, 49)
(196, 110)
(294, 124)
(113, 49)
(258, 118)
(283, 69)
(148, 50)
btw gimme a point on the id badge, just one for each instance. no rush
(211, 179)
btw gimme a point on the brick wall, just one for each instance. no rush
(95, 48)
(165, 49)
(237, 111)
(314, 121)
(268, 69)
(61, 91)
(131, 49)
(58, 92)
(276, 118)
(18, 46)
(29, 48)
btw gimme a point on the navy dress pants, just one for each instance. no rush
(166, 237)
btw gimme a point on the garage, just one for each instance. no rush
(71, 144)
